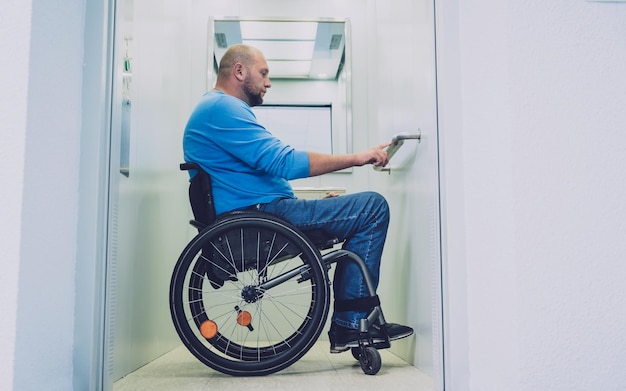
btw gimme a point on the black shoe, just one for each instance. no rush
(394, 331)
(343, 338)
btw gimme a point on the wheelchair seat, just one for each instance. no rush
(203, 207)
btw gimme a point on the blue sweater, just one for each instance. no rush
(247, 164)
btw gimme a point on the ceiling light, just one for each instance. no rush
(284, 50)
(289, 68)
(267, 30)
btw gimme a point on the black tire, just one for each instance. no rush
(268, 270)
(370, 360)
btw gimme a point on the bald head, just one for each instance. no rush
(243, 72)
(243, 54)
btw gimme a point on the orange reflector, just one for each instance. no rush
(244, 318)
(208, 329)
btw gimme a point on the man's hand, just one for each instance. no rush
(376, 156)
(321, 164)
(331, 194)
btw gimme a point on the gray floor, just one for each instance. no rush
(317, 370)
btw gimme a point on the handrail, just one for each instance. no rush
(396, 142)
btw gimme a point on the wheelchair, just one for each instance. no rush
(250, 294)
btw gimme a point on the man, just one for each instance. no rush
(250, 168)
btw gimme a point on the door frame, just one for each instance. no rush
(90, 363)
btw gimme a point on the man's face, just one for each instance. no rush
(257, 81)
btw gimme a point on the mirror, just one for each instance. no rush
(309, 62)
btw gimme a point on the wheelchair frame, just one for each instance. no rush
(250, 293)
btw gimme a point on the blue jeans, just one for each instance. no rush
(359, 220)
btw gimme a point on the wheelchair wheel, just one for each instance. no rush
(249, 295)
(370, 360)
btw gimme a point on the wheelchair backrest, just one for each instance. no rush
(200, 195)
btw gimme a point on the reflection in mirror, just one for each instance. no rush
(293, 49)
(309, 62)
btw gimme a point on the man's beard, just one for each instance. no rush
(255, 98)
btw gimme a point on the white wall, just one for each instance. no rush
(46, 164)
(452, 195)
(15, 27)
(541, 154)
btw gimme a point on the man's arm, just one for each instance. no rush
(321, 164)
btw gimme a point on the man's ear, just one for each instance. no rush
(239, 71)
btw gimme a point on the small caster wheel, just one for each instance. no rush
(356, 353)
(370, 361)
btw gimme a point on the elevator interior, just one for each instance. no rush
(164, 62)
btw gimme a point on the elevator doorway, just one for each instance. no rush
(161, 61)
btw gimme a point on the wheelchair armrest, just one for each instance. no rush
(197, 224)
(189, 166)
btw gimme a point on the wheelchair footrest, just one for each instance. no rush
(376, 345)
